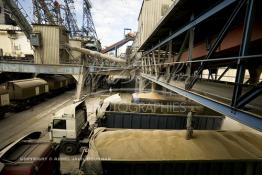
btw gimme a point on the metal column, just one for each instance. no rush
(243, 51)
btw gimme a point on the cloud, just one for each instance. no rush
(112, 16)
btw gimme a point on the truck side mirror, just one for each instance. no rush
(49, 128)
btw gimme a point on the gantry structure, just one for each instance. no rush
(206, 36)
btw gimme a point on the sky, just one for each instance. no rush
(110, 17)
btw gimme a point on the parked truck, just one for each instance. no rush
(154, 116)
(29, 156)
(164, 152)
(69, 126)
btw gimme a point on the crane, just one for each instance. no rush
(70, 19)
(88, 27)
(47, 12)
(19, 15)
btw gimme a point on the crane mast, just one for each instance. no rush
(88, 27)
(47, 12)
(70, 18)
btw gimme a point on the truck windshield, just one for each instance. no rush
(59, 124)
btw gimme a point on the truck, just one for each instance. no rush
(154, 116)
(69, 127)
(29, 156)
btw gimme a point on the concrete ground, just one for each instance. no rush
(16, 125)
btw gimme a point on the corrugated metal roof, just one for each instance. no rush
(55, 78)
(29, 82)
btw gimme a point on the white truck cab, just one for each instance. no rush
(68, 127)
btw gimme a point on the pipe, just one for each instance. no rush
(96, 54)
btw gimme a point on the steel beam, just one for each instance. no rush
(219, 39)
(222, 75)
(195, 22)
(242, 58)
(190, 51)
(241, 116)
(225, 29)
(39, 68)
(248, 26)
(174, 69)
(250, 95)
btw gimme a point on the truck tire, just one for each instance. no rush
(69, 148)
(2, 115)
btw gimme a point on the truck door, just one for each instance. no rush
(59, 129)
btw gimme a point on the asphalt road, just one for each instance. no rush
(16, 125)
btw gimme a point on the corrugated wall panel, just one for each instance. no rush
(151, 13)
(2, 13)
(50, 51)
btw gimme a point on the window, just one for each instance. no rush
(59, 124)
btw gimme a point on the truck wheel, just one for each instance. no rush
(2, 115)
(70, 148)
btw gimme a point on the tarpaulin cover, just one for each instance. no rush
(169, 145)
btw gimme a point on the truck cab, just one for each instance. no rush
(68, 127)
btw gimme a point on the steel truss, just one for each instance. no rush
(88, 27)
(70, 19)
(47, 12)
(161, 57)
(19, 15)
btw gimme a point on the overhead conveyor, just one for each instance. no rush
(193, 39)
(129, 37)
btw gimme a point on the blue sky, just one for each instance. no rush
(110, 17)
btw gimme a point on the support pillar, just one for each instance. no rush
(240, 75)
(153, 87)
(80, 78)
(190, 52)
(141, 84)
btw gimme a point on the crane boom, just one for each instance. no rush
(19, 17)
